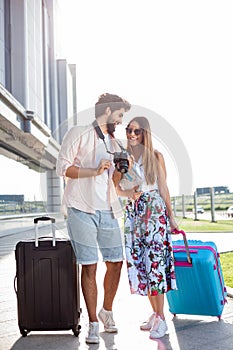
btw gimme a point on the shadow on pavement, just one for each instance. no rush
(48, 341)
(109, 341)
(163, 344)
(210, 333)
(61, 341)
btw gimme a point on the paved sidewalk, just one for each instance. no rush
(13, 224)
(185, 332)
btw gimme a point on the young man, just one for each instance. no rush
(93, 206)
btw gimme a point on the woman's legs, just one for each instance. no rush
(159, 328)
(157, 303)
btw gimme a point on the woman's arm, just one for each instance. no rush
(132, 193)
(163, 188)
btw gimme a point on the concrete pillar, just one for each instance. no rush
(54, 191)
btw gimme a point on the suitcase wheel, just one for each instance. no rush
(76, 330)
(23, 332)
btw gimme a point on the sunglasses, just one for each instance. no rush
(135, 131)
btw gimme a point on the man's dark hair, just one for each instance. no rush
(114, 102)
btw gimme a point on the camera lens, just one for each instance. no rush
(121, 161)
(123, 166)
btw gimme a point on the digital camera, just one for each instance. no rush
(121, 162)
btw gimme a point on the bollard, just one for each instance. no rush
(183, 206)
(212, 204)
(195, 206)
(174, 206)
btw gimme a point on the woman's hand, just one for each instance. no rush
(134, 194)
(173, 224)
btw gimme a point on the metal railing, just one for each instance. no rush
(215, 203)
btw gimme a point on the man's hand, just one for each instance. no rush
(104, 164)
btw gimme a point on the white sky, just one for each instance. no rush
(171, 57)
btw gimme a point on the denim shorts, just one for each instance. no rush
(90, 233)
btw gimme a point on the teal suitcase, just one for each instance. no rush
(200, 282)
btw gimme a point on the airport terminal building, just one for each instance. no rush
(37, 89)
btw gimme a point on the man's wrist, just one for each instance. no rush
(95, 171)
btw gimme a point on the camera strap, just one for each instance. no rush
(98, 130)
(101, 136)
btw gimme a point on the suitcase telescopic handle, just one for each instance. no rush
(44, 218)
(176, 232)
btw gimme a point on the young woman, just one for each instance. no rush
(148, 224)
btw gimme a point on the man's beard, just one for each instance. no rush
(111, 128)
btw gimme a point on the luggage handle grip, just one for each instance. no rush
(176, 232)
(44, 218)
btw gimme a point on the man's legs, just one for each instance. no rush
(82, 228)
(111, 246)
(106, 229)
(111, 282)
(89, 289)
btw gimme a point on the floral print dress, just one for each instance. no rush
(148, 245)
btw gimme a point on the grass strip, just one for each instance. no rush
(190, 225)
(227, 268)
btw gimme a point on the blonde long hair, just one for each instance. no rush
(149, 159)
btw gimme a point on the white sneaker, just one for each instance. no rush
(93, 333)
(146, 326)
(107, 318)
(159, 329)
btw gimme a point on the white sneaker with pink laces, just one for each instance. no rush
(146, 326)
(159, 329)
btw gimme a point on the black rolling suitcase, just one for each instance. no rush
(47, 284)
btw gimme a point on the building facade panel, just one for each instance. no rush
(2, 45)
(35, 57)
(52, 64)
(33, 103)
(67, 108)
